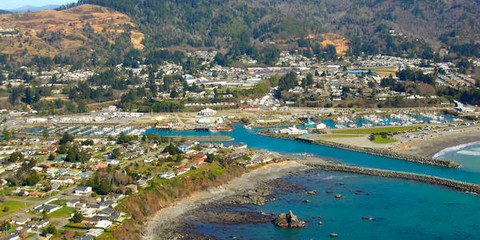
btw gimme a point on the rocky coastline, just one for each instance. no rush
(371, 151)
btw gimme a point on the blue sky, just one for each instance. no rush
(13, 4)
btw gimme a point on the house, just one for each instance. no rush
(236, 145)
(107, 212)
(76, 203)
(320, 125)
(20, 220)
(48, 208)
(88, 212)
(187, 145)
(251, 108)
(107, 204)
(181, 171)
(142, 182)
(293, 131)
(163, 155)
(82, 190)
(103, 224)
(115, 197)
(13, 236)
(207, 112)
(93, 233)
(167, 175)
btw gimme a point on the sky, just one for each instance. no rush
(13, 4)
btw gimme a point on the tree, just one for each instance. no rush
(14, 157)
(66, 138)
(172, 150)
(49, 230)
(7, 135)
(174, 93)
(77, 217)
(82, 106)
(45, 133)
(288, 81)
(5, 226)
(116, 153)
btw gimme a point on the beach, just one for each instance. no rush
(430, 145)
(169, 222)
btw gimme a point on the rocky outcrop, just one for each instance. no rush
(288, 220)
(259, 196)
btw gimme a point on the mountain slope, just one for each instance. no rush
(215, 22)
(51, 32)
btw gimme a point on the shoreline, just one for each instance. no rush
(433, 145)
(172, 222)
(455, 148)
(164, 222)
(372, 151)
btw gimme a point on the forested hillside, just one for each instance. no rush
(368, 23)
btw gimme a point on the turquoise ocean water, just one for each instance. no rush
(402, 209)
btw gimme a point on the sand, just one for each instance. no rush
(430, 145)
(159, 226)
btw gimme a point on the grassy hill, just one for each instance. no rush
(51, 32)
(114, 29)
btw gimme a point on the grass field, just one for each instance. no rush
(59, 202)
(13, 207)
(342, 135)
(63, 212)
(375, 130)
(381, 140)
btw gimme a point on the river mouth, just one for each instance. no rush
(370, 208)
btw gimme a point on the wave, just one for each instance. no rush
(467, 152)
(453, 149)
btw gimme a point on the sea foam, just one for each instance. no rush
(455, 148)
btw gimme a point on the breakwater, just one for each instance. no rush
(328, 166)
(371, 151)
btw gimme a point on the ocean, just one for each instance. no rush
(401, 209)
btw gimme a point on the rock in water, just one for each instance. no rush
(288, 220)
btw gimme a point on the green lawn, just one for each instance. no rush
(342, 135)
(60, 202)
(63, 212)
(375, 130)
(381, 140)
(13, 207)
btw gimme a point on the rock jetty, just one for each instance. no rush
(371, 151)
(288, 220)
(457, 185)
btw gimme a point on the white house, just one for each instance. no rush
(82, 190)
(207, 112)
(320, 125)
(103, 224)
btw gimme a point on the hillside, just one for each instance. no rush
(217, 22)
(51, 32)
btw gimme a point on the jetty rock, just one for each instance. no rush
(288, 220)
